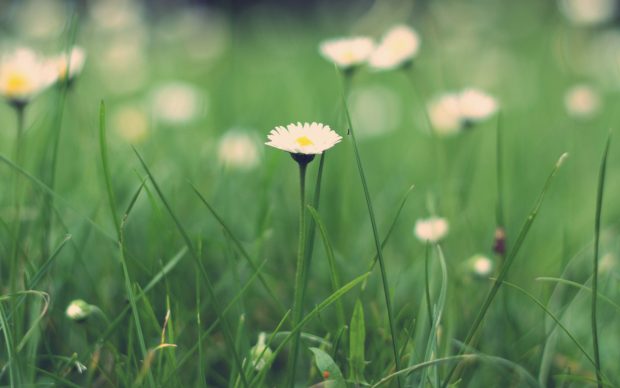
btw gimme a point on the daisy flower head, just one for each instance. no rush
(238, 150)
(303, 141)
(347, 53)
(78, 310)
(431, 229)
(70, 64)
(23, 75)
(452, 112)
(480, 265)
(397, 48)
(582, 101)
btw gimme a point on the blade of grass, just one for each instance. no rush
(508, 262)
(597, 235)
(373, 223)
(103, 149)
(581, 286)
(15, 377)
(240, 247)
(317, 309)
(331, 261)
(216, 307)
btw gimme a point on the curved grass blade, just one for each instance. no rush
(509, 261)
(330, 259)
(580, 286)
(216, 307)
(597, 235)
(240, 247)
(373, 223)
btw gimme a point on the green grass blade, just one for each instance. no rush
(375, 231)
(317, 309)
(15, 376)
(331, 261)
(103, 149)
(357, 338)
(218, 312)
(509, 260)
(597, 235)
(580, 286)
(240, 247)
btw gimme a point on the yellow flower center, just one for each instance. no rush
(304, 141)
(16, 84)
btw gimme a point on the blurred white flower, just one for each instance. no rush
(77, 58)
(306, 139)
(398, 46)
(481, 265)
(78, 310)
(260, 354)
(445, 114)
(237, 149)
(24, 74)
(177, 103)
(122, 64)
(431, 229)
(588, 12)
(453, 112)
(347, 52)
(378, 110)
(130, 122)
(115, 14)
(581, 101)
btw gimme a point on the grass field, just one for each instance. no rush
(143, 189)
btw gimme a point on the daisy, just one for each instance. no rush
(431, 229)
(78, 310)
(347, 52)
(397, 48)
(582, 101)
(23, 75)
(238, 150)
(481, 265)
(178, 103)
(303, 141)
(452, 112)
(71, 68)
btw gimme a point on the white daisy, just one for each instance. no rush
(431, 229)
(481, 265)
(581, 101)
(451, 112)
(305, 139)
(24, 74)
(347, 52)
(238, 150)
(178, 103)
(77, 58)
(398, 46)
(588, 12)
(78, 310)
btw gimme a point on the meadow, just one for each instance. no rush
(459, 228)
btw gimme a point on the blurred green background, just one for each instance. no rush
(178, 78)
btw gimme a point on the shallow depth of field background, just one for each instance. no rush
(178, 78)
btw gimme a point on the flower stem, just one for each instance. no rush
(300, 275)
(17, 157)
(375, 232)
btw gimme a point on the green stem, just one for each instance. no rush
(375, 233)
(18, 157)
(597, 234)
(300, 275)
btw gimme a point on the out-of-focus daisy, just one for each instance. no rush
(177, 103)
(237, 149)
(581, 101)
(347, 52)
(397, 48)
(431, 229)
(40, 19)
(260, 354)
(378, 109)
(452, 112)
(71, 65)
(123, 65)
(24, 74)
(303, 141)
(588, 12)
(130, 123)
(480, 265)
(115, 15)
(78, 310)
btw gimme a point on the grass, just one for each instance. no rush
(189, 259)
